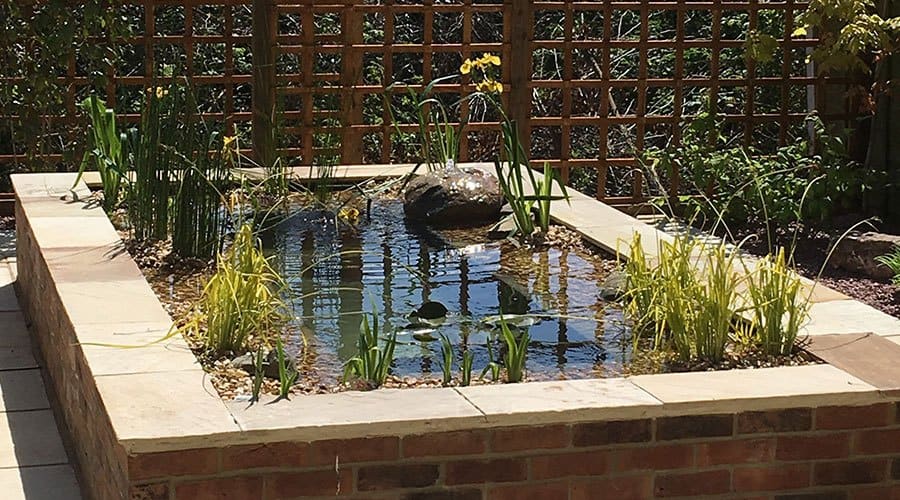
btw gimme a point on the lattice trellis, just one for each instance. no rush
(592, 82)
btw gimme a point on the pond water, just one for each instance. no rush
(338, 270)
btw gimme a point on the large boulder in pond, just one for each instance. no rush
(453, 197)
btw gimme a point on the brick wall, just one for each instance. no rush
(99, 458)
(799, 453)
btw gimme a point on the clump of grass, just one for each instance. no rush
(686, 299)
(892, 261)
(242, 299)
(372, 362)
(516, 352)
(777, 307)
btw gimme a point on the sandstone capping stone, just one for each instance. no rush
(756, 389)
(349, 415)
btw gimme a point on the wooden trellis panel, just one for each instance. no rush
(590, 82)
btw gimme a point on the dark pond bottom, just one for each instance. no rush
(382, 265)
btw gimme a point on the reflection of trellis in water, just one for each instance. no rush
(592, 81)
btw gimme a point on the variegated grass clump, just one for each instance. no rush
(778, 308)
(242, 299)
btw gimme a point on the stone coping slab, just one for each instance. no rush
(158, 399)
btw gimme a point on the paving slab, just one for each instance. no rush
(56, 232)
(849, 316)
(97, 302)
(29, 438)
(52, 185)
(869, 357)
(101, 264)
(48, 482)
(22, 390)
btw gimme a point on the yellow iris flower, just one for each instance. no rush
(489, 59)
(466, 67)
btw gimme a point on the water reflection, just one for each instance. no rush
(337, 271)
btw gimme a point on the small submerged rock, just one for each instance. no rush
(247, 363)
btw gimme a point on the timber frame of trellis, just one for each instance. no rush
(517, 49)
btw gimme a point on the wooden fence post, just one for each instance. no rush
(521, 32)
(264, 84)
(351, 77)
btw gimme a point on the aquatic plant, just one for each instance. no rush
(512, 184)
(198, 221)
(465, 373)
(777, 308)
(516, 352)
(892, 261)
(493, 367)
(640, 291)
(106, 152)
(241, 299)
(372, 362)
(438, 139)
(287, 373)
(259, 373)
(446, 360)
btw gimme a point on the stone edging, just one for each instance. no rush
(75, 276)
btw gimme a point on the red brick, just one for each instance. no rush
(876, 493)
(656, 458)
(818, 495)
(614, 432)
(569, 464)
(774, 478)
(445, 444)
(284, 454)
(445, 494)
(530, 438)
(502, 470)
(711, 482)
(850, 472)
(701, 426)
(386, 477)
(792, 420)
(552, 491)
(173, 463)
(812, 447)
(877, 442)
(624, 487)
(221, 488)
(380, 449)
(155, 491)
(294, 484)
(743, 451)
(854, 417)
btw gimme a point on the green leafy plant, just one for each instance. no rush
(516, 352)
(372, 362)
(106, 152)
(892, 261)
(512, 178)
(640, 291)
(446, 360)
(259, 373)
(465, 373)
(492, 367)
(438, 139)
(287, 374)
(777, 308)
(241, 299)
